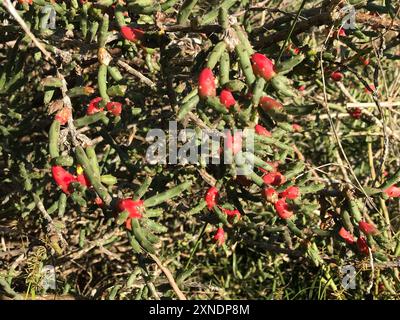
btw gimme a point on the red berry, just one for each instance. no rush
(393, 192)
(283, 209)
(226, 98)
(337, 76)
(296, 127)
(274, 178)
(346, 236)
(219, 237)
(114, 107)
(268, 103)
(63, 115)
(211, 197)
(98, 201)
(364, 61)
(62, 178)
(362, 246)
(231, 213)
(369, 89)
(367, 228)
(132, 34)
(341, 32)
(270, 195)
(291, 193)
(83, 180)
(135, 209)
(262, 66)
(207, 83)
(301, 88)
(93, 106)
(355, 113)
(260, 130)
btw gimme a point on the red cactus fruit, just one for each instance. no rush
(362, 246)
(25, 1)
(98, 201)
(283, 209)
(341, 32)
(262, 66)
(63, 115)
(268, 103)
(393, 191)
(355, 113)
(62, 178)
(364, 61)
(93, 106)
(270, 195)
(369, 89)
(231, 213)
(296, 127)
(132, 34)
(367, 228)
(274, 178)
(346, 236)
(114, 107)
(337, 76)
(219, 236)
(207, 83)
(301, 88)
(291, 193)
(234, 142)
(211, 197)
(135, 209)
(260, 130)
(226, 98)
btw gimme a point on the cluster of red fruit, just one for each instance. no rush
(362, 245)
(114, 107)
(211, 199)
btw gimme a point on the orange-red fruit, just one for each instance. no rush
(63, 115)
(211, 197)
(283, 209)
(132, 34)
(93, 106)
(270, 195)
(301, 88)
(369, 89)
(291, 193)
(341, 32)
(355, 113)
(219, 237)
(114, 107)
(262, 66)
(226, 98)
(274, 178)
(135, 209)
(268, 103)
(346, 236)
(393, 192)
(231, 213)
(62, 178)
(260, 130)
(362, 246)
(367, 228)
(207, 83)
(364, 61)
(296, 127)
(83, 180)
(337, 76)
